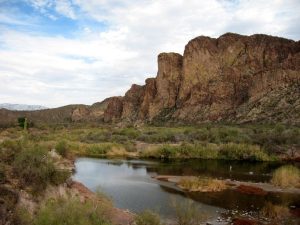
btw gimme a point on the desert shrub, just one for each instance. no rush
(202, 151)
(72, 211)
(99, 149)
(21, 216)
(130, 132)
(62, 148)
(158, 136)
(147, 218)
(229, 151)
(129, 146)
(278, 214)
(95, 137)
(60, 176)
(167, 151)
(33, 167)
(232, 151)
(270, 137)
(119, 138)
(187, 213)
(196, 134)
(286, 176)
(9, 149)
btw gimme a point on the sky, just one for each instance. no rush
(60, 52)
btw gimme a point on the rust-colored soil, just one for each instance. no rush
(251, 190)
(295, 212)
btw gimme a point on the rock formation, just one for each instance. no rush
(232, 78)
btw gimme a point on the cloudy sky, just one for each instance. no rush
(58, 52)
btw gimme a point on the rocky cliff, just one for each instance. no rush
(230, 78)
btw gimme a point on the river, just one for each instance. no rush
(130, 185)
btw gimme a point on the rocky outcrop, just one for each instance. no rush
(233, 78)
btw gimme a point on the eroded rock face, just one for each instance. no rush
(168, 81)
(114, 109)
(221, 74)
(233, 77)
(132, 102)
(150, 92)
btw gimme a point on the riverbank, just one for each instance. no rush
(130, 184)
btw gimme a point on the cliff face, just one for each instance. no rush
(232, 78)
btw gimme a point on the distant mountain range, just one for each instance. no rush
(21, 107)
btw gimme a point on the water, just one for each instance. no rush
(129, 184)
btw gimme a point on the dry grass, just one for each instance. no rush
(275, 211)
(202, 184)
(286, 176)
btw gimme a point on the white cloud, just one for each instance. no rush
(65, 8)
(55, 70)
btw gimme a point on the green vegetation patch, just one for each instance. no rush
(229, 151)
(147, 218)
(68, 212)
(34, 168)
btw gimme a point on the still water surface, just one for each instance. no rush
(129, 184)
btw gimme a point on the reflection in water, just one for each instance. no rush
(129, 184)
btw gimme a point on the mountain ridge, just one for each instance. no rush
(21, 107)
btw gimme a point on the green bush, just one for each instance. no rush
(229, 151)
(119, 138)
(147, 218)
(99, 149)
(158, 136)
(62, 148)
(34, 168)
(187, 213)
(130, 132)
(232, 151)
(22, 121)
(167, 151)
(72, 211)
(95, 137)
